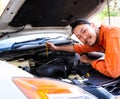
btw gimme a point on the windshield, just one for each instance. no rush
(3, 4)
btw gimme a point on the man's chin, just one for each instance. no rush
(91, 45)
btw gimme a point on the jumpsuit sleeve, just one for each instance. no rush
(81, 48)
(110, 66)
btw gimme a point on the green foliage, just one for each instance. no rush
(105, 13)
(113, 10)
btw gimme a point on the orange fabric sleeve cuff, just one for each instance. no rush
(98, 65)
(75, 48)
(94, 63)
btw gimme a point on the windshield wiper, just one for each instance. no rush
(34, 42)
(31, 42)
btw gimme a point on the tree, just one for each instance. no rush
(112, 10)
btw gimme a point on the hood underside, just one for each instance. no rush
(54, 12)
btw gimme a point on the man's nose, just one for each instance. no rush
(84, 37)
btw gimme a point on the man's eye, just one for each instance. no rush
(84, 31)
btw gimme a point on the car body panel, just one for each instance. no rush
(41, 13)
(8, 88)
(25, 27)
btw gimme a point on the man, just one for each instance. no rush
(104, 38)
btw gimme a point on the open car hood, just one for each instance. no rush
(41, 13)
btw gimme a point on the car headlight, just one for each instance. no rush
(45, 88)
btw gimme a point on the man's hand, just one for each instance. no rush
(86, 59)
(51, 46)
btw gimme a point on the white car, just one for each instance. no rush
(28, 70)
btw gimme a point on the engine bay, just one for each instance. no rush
(63, 66)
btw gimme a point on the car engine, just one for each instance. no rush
(63, 66)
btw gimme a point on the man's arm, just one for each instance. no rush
(67, 48)
(110, 65)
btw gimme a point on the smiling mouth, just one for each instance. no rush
(87, 41)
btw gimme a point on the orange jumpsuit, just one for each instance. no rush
(110, 44)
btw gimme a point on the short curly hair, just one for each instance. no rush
(79, 21)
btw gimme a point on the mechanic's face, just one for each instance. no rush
(86, 34)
